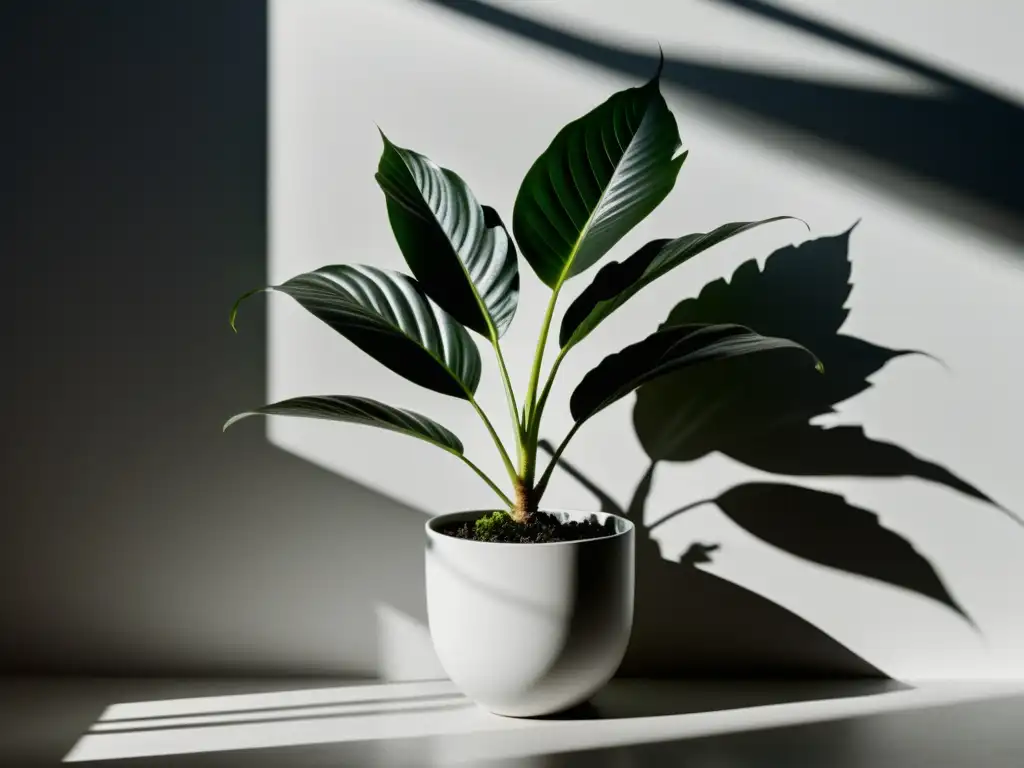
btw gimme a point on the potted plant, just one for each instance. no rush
(529, 609)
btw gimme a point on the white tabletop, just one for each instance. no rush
(713, 724)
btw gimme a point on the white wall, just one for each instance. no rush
(485, 103)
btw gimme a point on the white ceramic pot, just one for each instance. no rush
(530, 629)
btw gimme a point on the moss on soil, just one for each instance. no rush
(542, 528)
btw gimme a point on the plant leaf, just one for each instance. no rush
(826, 529)
(617, 282)
(459, 251)
(601, 175)
(360, 410)
(388, 316)
(663, 352)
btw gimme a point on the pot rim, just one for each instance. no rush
(431, 528)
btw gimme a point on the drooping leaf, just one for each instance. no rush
(826, 529)
(360, 410)
(663, 352)
(388, 316)
(601, 175)
(800, 294)
(458, 250)
(617, 282)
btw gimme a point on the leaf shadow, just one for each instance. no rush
(757, 410)
(690, 623)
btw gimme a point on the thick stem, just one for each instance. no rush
(526, 503)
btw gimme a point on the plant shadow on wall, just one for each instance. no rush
(758, 411)
(958, 136)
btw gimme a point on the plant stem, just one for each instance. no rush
(510, 395)
(543, 483)
(538, 360)
(497, 440)
(680, 511)
(543, 399)
(483, 476)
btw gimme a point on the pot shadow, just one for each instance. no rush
(638, 697)
(756, 410)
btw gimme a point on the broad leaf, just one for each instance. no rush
(458, 250)
(664, 352)
(601, 175)
(388, 316)
(826, 529)
(360, 410)
(617, 282)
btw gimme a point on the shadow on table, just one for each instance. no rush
(980, 734)
(627, 698)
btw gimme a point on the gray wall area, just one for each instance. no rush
(136, 537)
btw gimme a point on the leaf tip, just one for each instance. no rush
(238, 303)
(661, 63)
(819, 366)
(236, 418)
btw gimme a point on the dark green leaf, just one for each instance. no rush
(826, 529)
(458, 250)
(360, 410)
(617, 282)
(388, 316)
(663, 352)
(600, 176)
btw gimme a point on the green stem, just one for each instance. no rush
(543, 484)
(510, 395)
(538, 360)
(542, 401)
(497, 440)
(483, 476)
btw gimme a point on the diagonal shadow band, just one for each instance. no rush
(962, 141)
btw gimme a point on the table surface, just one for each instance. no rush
(838, 724)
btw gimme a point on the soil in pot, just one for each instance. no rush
(541, 528)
